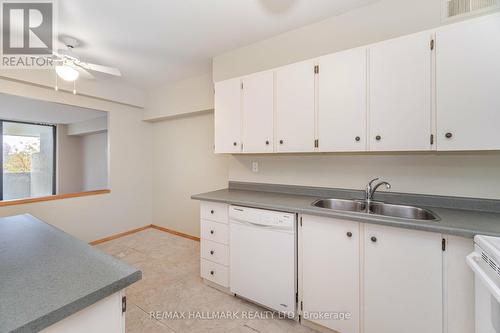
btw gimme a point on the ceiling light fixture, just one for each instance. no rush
(67, 73)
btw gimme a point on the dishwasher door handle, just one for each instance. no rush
(251, 224)
(288, 229)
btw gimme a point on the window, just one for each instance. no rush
(28, 160)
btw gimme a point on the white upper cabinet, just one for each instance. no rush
(295, 114)
(400, 94)
(468, 85)
(397, 95)
(342, 101)
(228, 116)
(330, 269)
(258, 113)
(403, 281)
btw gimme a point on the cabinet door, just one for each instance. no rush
(104, 316)
(400, 94)
(468, 81)
(342, 101)
(330, 271)
(228, 116)
(458, 286)
(258, 113)
(402, 281)
(295, 108)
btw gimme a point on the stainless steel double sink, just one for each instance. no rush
(377, 208)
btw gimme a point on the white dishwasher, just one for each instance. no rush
(485, 263)
(263, 257)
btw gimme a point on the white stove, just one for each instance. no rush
(485, 263)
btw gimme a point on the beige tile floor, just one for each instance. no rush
(171, 282)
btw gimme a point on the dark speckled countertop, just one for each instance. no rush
(47, 275)
(452, 220)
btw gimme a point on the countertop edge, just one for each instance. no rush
(79, 304)
(363, 218)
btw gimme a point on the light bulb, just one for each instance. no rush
(67, 73)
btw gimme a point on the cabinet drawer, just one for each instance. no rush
(214, 211)
(214, 231)
(215, 252)
(215, 272)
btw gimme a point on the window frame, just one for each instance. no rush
(54, 154)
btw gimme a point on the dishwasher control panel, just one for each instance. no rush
(262, 216)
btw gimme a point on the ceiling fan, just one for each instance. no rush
(69, 67)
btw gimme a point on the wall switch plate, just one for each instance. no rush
(255, 166)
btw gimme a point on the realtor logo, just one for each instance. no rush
(27, 33)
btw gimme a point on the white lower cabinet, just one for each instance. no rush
(389, 279)
(214, 231)
(218, 253)
(105, 316)
(214, 247)
(213, 272)
(330, 272)
(403, 281)
(458, 286)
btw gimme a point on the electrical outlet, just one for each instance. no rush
(255, 166)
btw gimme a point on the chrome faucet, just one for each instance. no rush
(370, 188)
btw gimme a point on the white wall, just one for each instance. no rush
(129, 205)
(37, 111)
(69, 162)
(181, 98)
(99, 124)
(95, 161)
(456, 174)
(460, 174)
(82, 161)
(110, 89)
(184, 164)
(183, 158)
(382, 20)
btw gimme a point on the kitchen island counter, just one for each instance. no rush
(47, 275)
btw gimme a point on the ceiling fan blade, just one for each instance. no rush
(57, 56)
(100, 68)
(84, 73)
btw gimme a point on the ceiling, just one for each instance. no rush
(156, 42)
(32, 110)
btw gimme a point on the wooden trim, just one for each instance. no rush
(177, 233)
(151, 226)
(52, 198)
(123, 234)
